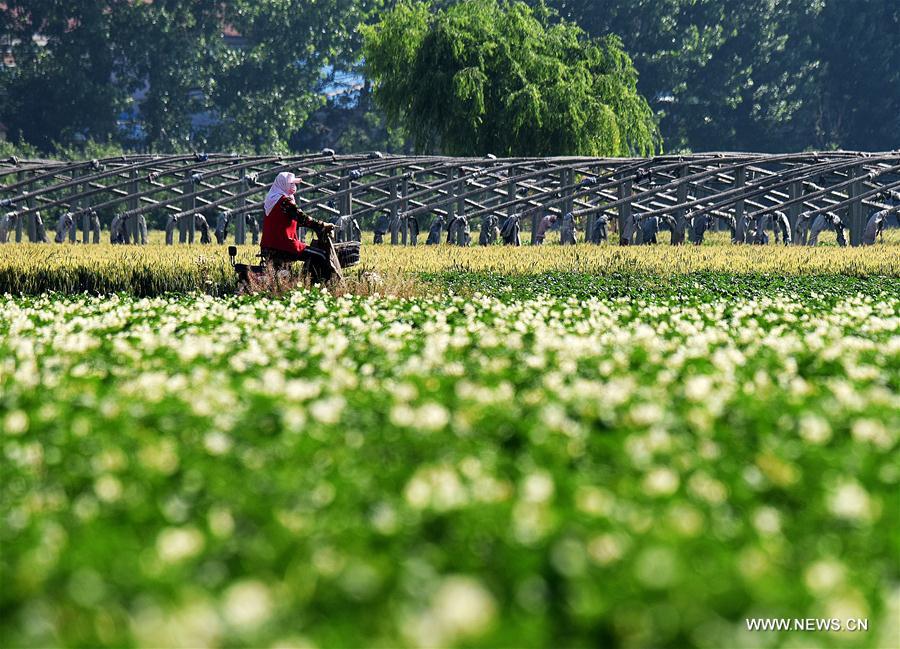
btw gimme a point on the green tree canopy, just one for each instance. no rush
(81, 64)
(65, 54)
(172, 51)
(266, 90)
(471, 76)
(487, 77)
(760, 75)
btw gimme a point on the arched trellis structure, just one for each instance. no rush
(742, 189)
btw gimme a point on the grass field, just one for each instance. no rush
(543, 447)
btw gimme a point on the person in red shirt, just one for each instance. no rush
(280, 243)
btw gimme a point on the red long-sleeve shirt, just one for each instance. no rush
(280, 226)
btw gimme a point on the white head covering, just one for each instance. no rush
(279, 188)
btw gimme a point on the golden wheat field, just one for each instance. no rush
(156, 268)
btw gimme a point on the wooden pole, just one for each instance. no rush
(192, 219)
(73, 206)
(570, 200)
(855, 213)
(409, 235)
(740, 224)
(681, 196)
(796, 190)
(185, 231)
(625, 213)
(589, 225)
(348, 199)
(511, 191)
(32, 226)
(451, 206)
(32, 220)
(85, 222)
(133, 203)
(344, 202)
(240, 220)
(395, 207)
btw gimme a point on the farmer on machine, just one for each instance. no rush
(280, 243)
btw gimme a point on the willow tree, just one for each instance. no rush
(485, 77)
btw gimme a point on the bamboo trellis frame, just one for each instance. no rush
(742, 187)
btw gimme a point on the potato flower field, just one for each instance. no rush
(586, 447)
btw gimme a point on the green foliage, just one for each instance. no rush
(195, 91)
(693, 287)
(175, 48)
(484, 77)
(477, 76)
(350, 122)
(858, 92)
(267, 89)
(761, 75)
(60, 90)
(84, 150)
(88, 150)
(447, 471)
(20, 149)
